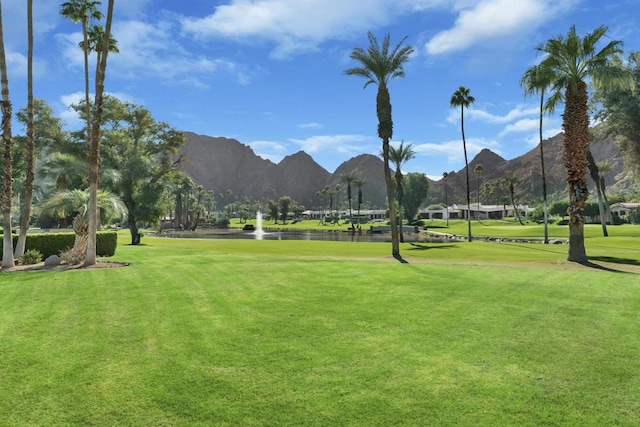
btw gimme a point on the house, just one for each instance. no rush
(477, 211)
(623, 209)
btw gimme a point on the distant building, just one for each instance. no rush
(476, 211)
(623, 209)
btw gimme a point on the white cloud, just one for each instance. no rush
(311, 125)
(152, 51)
(533, 140)
(269, 150)
(453, 150)
(484, 116)
(334, 143)
(484, 21)
(297, 26)
(524, 125)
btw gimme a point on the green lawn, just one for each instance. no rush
(241, 332)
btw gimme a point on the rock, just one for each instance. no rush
(52, 260)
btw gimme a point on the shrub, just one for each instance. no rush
(53, 243)
(31, 256)
(71, 256)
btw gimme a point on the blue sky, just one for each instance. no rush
(269, 73)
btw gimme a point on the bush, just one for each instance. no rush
(53, 243)
(31, 256)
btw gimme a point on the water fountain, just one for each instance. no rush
(259, 229)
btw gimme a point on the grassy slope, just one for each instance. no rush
(237, 332)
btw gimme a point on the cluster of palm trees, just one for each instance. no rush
(570, 62)
(94, 39)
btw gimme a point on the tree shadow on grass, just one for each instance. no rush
(423, 247)
(612, 260)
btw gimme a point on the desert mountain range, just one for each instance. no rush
(236, 174)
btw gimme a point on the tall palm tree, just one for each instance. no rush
(28, 184)
(7, 158)
(349, 178)
(594, 171)
(538, 79)
(445, 175)
(572, 61)
(96, 41)
(400, 156)
(462, 98)
(93, 162)
(478, 170)
(379, 64)
(510, 182)
(603, 167)
(83, 11)
(359, 182)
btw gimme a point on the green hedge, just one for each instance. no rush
(53, 243)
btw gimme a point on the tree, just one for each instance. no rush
(96, 39)
(284, 203)
(145, 152)
(272, 208)
(379, 64)
(93, 162)
(399, 156)
(359, 182)
(77, 201)
(478, 170)
(538, 79)
(510, 182)
(415, 193)
(30, 166)
(595, 176)
(620, 111)
(7, 158)
(462, 98)
(445, 175)
(572, 61)
(349, 178)
(83, 11)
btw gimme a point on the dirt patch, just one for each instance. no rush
(63, 267)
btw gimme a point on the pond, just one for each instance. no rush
(342, 236)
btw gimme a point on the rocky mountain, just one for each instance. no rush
(237, 174)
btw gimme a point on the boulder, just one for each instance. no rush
(52, 260)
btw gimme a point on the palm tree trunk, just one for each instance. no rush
(393, 216)
(545, 207)
(466, 170)
(595, 176)
(576, 143)
(94, 152)
(28, 185)
(7, 159)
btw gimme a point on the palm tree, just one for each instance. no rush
(461, 98)
(349, 178)
(83, 11)
(595, 176)
(379, 64)
(510, 182)
(7, 154)
(478, 170)
(572, 61)
(28, 184)
(96, 41)
(604, 166)
(67, 202)
(445, 175)
(93, 162)
(399, 156)
(538, 79)
(359, 182)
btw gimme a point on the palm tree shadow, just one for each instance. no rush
(402, 260)
(423, 247)
(612, 260)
